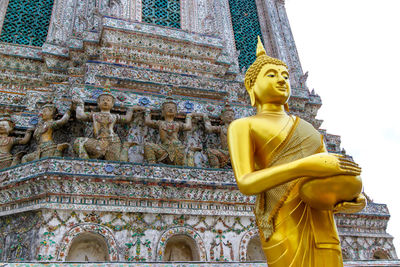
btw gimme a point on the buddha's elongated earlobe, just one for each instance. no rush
(286, 106)
(252, 96)
(250, 91)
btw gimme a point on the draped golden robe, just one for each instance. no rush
(292, 233)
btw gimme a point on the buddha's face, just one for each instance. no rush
(47, 113)
(169, 109)
(228, 116)
(272, 85)
(105, 102)
(5, 127)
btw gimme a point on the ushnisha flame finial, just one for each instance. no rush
(260, 48)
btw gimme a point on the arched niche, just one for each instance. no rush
(254, 250)
(88, 247)
(380, 254)
(93, 237)
(181, 244)
(250, 248)
(181, 248)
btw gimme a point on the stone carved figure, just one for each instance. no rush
(44, 134)
(7, 142)
(219, 158)
(283, 160)
(171, 150)
(106, 143)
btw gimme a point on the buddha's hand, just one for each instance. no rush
(328, 164)
(351, 206)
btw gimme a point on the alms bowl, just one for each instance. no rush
(325, 193)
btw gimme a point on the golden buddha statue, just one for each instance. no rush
(282, 159)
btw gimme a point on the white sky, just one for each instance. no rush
(351, 50)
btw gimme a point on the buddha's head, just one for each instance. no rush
(6, 124)
(169, 108)
(267, 79)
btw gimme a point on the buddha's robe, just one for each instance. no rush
(292, 233)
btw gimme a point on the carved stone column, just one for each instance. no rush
(137, 10)
(189, 21)
(3, 9)
(124, 9)
(275, 33)
(199, 16)
(266, 30)
(62, 19)
(294, 61)
(225, 29)
(280, 43)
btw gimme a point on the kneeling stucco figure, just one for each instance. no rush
(282, 159)
(106, 143)
(44, 134)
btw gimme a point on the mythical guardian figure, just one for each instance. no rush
(105, 142)
(7, 142)
(44, 134)
(171, 150)
(219, 157)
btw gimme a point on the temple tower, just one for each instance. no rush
(72, 209)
